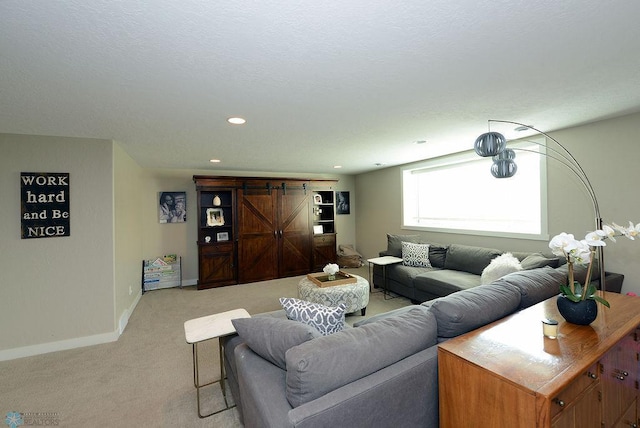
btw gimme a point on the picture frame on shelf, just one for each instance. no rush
(317, 198)
(222, 236)
(215, 217)
(318, 229)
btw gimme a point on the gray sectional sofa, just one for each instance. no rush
(382, 372)
(459, 267)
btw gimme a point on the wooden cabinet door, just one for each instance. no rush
(585, 412)
(217, 265)
(294, 231)
(619, 379)
(257, 235)
(324, 250)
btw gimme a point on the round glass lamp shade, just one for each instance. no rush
(490, 144)
(506, 154)
(504, 168)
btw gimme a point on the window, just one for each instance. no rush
(457, 193)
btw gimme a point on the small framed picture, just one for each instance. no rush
(317, 198)
(318, 229)
(215, 217)
(344, 205)
(222, 236)
(172, 207)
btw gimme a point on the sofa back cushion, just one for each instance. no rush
(394, 243)
(469, 259)
(535, 285)
(321, 365)
(466, 310)
(271, 337)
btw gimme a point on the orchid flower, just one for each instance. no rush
(582, 253)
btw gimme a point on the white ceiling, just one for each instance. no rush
(320, 83)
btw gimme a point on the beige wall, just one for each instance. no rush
(128, 241)
(57, 290)
(608, 151)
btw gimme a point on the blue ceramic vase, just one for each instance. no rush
(583, 312)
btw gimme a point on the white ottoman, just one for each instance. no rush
(354, 296)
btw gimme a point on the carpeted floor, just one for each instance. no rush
(145, 379)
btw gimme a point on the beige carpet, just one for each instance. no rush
(145, 379)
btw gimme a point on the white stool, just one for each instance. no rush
(354, 296)
(205, 328)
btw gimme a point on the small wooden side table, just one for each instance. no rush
(205, 328)
(383, 261)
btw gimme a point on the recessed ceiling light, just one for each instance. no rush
(420, 141)
(337, 166)
(378, 164)
(236, 120)
(215, 161)
(521, 128)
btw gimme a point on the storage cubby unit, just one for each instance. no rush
(324, 211)
(216, 219)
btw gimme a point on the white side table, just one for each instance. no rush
(205, 328)
(383, 261)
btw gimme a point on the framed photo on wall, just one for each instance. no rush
(343, 205)
(172, 207)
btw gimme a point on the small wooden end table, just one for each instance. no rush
(205, 328)
(383, 261)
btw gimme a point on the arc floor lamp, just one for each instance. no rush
(494, 145)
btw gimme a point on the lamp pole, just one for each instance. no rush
(493, 144)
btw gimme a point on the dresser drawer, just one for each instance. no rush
(568, 396)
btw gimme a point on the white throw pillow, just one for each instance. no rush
(499, 267)
(416, 255)
(325, 319)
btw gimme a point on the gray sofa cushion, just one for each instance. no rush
(469, 259)
(391, 313)
(321, 365)
(404, 274)
(394, 243)
(535, 285)
(444, 282)
(467, 310)
(538, 260)
(272, 337)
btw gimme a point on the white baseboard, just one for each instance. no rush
(124, 318)
(63, 345)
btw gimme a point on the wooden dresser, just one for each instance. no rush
(507, 374)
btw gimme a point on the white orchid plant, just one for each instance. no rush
(331, 269)
(582, 252)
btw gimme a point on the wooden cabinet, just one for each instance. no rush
(508, 374)
(216, 232)
(324, 228)
(255, 229)
(324, 250)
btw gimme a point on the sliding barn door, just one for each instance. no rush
(294, 223)
(257, 235)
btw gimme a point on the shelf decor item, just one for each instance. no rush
(216, 201)
(331, 269)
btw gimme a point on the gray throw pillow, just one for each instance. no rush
(323, 318)
(271, 338)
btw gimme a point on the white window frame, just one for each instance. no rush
(490, 185)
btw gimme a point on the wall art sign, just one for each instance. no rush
(45, 204)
